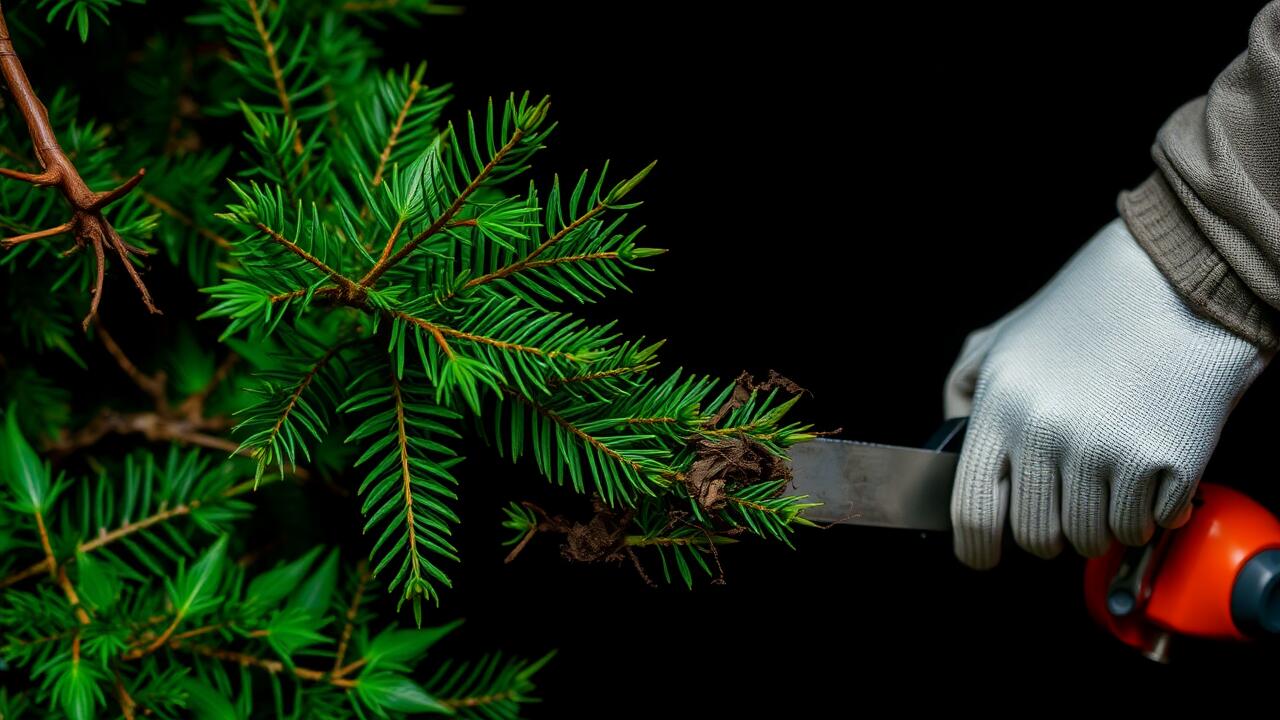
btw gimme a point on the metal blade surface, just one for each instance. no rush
(880, 485)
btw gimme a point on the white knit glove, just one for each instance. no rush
(1094, 408)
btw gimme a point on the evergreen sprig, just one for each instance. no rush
(81, 13)
(382, 284)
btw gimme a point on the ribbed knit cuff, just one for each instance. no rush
(1169, 234)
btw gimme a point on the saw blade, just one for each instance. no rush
(880, 485)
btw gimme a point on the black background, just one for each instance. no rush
(846, 191)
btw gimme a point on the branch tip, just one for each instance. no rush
(16, 240)
(45, 179)
(105, 198)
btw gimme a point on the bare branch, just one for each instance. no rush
(87, 225)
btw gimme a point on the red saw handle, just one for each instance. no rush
(1216, 577)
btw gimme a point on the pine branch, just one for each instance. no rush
(623, 466)
(362, 579)
(189, 592)
(528, 120)
(603, 374)
(439, 332)
(492, 689)
(269, 49)
(581, 258)
(108, 537)
(88, 226)
(529, 260)
(275, 667)
(277, 438)
(293, 247)
(578, 432)
(443, 219)
(415, 87)
(160, 616)
(689, 540)
(409, 486)
(406, 479)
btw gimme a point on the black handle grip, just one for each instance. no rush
(948, 437)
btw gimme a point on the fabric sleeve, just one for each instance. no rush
(1209, 216)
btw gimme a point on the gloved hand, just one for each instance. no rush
(1094, 408)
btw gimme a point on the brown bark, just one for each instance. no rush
(87, 226)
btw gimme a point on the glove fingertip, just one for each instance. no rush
(1086, 497)
(1173, 499)
(980, 503)
(1176, 518)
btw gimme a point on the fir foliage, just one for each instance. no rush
(383, 279)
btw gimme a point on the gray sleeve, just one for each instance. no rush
(1210, 214)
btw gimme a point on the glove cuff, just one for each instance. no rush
(1168, 233)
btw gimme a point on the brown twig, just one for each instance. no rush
(59, 574)
(72, 597)
(159, 642)
(548, 523)
(350, 667)
(197, 632)
(391, 241)
(155, 426)
(105, 538)
(127, 704)
(362, 575)
(159, 428)
(187, 424)
(50, 562)
(271, 666)
(477, 700)
(604, 538)
(25, 573)
(145, 645)
(152, 385)
(87, 225)
(193, 406)
(520, 546)
(415, 86)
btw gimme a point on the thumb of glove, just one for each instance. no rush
(962, 380)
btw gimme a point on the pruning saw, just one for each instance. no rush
(1216, 577)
